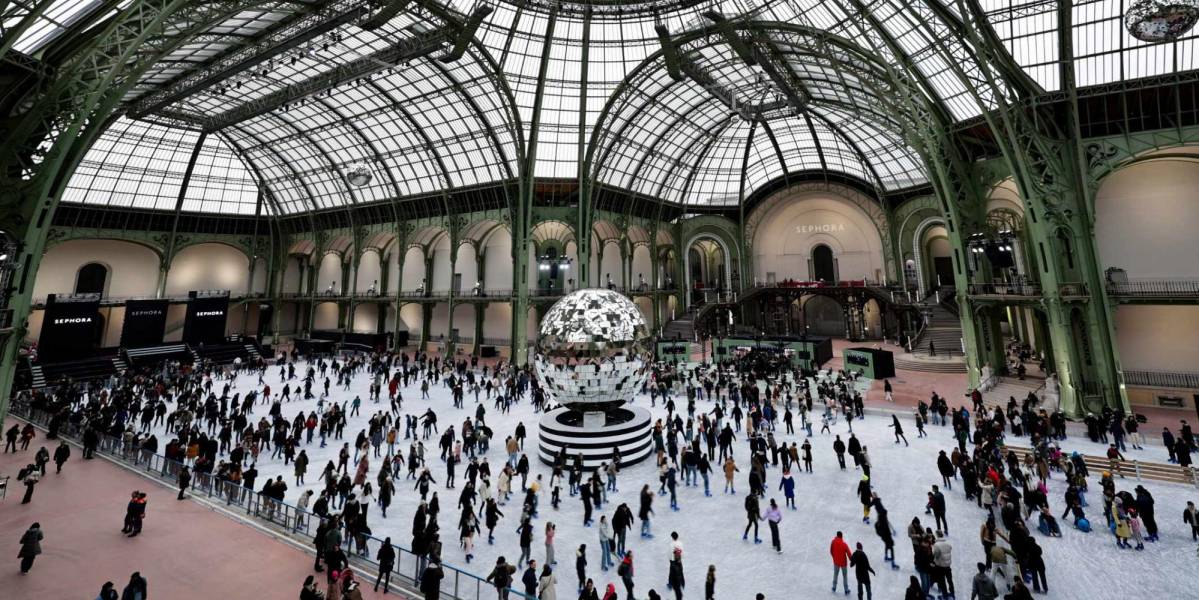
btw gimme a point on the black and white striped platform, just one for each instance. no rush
(628, 428)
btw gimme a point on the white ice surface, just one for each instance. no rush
(1079, 566)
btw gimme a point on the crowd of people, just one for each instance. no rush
(218, 434)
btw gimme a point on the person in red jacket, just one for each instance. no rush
(839, 549)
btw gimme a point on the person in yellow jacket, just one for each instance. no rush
(730, 468)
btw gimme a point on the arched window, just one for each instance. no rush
(91, 279)
(823, 268)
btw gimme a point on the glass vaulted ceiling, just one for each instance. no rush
(425, 126)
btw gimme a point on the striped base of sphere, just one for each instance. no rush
(627, 428)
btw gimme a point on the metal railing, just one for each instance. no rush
(40, 302)
(1154, 287)
(1075, 290)
(1162, 379)
(1003, 289)
(280, 517)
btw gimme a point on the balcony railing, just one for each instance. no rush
(1155, 288)
(1162, 379)
(1003, 289)
(40, 302)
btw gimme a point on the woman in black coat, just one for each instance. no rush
(137, 588)
(675, 578)
(31, 546)
(430, 581)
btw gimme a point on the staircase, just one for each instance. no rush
(682, 328)
(931, 366)
(118, 363)
(252, 350)
(1012, 387)
(39, 379)
(156, 354)
(944, 332)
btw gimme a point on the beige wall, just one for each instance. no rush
(370, 269)
(1146, 219)
(1140, 396)
(467, 266)
(497, 261)
(292, 280)
(366, 318)
(441, 265)
(464, 320)
(641, 266)
(497, 321)
(414, 269)
(132, 268)
(410, 321)
(325, 316)
(329, 271)
(260, 275)
(783, 243)
(610, 265)
(1158, 338)
(208, 267)
(439, 321)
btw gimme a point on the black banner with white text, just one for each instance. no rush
(205, 321)
(145, 322)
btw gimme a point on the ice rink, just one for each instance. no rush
(1079, 566)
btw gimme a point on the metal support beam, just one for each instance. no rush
(274, 43)
(421, 44)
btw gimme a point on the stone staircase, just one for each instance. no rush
(944, 332)
(1012, 387)
(948, 365)
(682, 328)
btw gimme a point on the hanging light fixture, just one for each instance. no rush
(359, 174)
(1156, 21)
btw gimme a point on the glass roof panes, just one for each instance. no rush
(133, 164)
(53, 21)
(220, 182)
(424, 126)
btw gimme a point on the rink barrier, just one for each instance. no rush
(280, 517)
(1141, 470)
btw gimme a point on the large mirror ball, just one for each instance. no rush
(593, 350)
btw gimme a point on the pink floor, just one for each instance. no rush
(186, 550)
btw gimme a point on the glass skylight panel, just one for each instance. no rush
(764, 162)
(133, 164)
(53, 22)
(220, 182)
(717, 174)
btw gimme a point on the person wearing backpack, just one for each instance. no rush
(625, 572)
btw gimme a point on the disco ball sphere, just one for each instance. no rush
(359, 174)
(1161, 20)
(593, 350)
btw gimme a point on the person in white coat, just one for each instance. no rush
(943, 561)
(545, 585)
